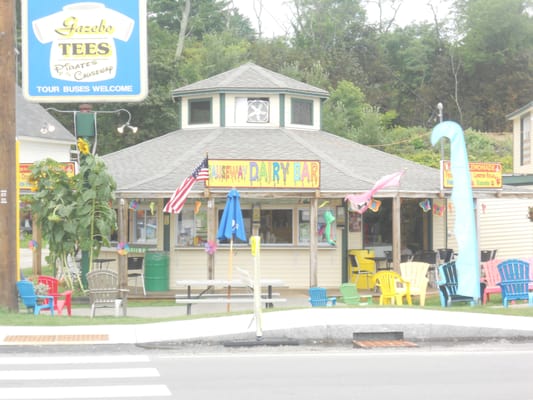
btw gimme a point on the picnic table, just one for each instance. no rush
(208, 284)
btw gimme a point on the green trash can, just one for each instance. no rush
(156, 271)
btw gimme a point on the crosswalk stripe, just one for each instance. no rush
(19, 360)
(62, 374)
(85, 392)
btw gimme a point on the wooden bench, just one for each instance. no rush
(224, 299)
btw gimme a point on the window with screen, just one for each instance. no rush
(301, 112)
(200, 111)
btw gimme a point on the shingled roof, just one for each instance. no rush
(250, 78)
(159, 165)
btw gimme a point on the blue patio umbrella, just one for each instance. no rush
(231, 226)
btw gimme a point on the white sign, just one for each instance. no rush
(84, 51)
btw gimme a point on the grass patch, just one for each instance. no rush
(23, 318)
(494, 306)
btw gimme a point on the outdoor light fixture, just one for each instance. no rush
(47, 128)
(121, 128)
(85, 124)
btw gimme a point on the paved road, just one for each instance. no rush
(488, 371)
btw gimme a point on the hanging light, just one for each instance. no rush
(47, 128)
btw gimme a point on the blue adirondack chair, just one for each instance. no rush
(514, 281)
(32, 300)
(448, 286)
(319, 298)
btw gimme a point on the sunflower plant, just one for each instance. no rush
(75, 212)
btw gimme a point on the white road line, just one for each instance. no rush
(63, 374)
(85, 392)
(36, 360)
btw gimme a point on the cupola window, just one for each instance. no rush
(301, 112)
(252, 110)
(200, 111)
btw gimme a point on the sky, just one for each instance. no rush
(276, 13)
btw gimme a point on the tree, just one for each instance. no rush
(347, 114)
(332, 32)
(496, 52)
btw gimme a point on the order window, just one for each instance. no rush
(145, 225)
(304, 227)
(276, 226)
(191, 227)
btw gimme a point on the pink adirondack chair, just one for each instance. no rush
(61, 300)
(491, 276)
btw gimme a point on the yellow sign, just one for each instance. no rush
(484, 175)
(281, 174)
(24, 173)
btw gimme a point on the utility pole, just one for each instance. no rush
(8, 204)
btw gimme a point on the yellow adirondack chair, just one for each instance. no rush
(392, 287)
(415, 272)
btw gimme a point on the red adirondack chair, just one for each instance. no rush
(61, 300)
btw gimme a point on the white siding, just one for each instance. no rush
(503, 225)
(439, 226)
(291, 265)
(37, 150)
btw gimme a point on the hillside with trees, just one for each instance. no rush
(385, 81)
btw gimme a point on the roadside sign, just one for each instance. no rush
(84, 51)
(25, 173)
(484, 175)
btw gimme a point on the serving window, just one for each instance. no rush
(275, 226)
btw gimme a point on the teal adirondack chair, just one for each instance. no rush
(32, 300)
(319, 298)
(514, 281)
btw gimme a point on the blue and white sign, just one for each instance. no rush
(84, 51)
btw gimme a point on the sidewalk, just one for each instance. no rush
(332, 324)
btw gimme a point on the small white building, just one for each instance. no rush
(248, 117)
(39, 135)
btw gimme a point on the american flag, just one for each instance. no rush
(176, 202)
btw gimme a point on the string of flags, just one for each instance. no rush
(438, 210)
(426, 206)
